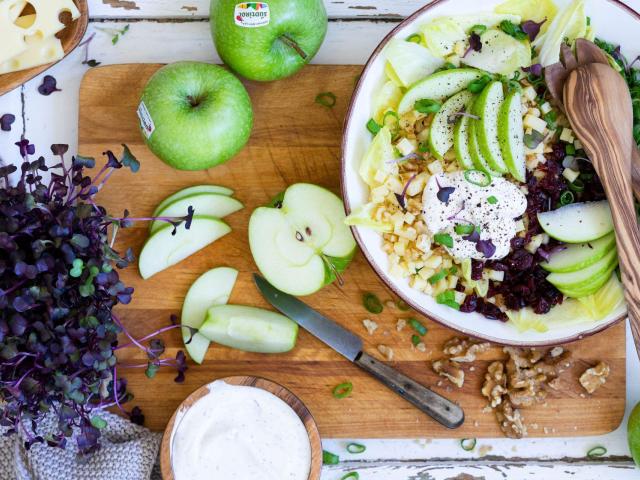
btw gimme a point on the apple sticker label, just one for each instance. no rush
(146, 122)
(252, 14)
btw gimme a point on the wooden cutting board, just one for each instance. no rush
(297, 140)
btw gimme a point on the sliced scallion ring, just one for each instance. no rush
(414, 38)
(351, 476)
(391, 120)
(566, 198)
(415, 340)
(326, 99)
(417, 325)
(343, 390)
(372, 303)
(577, 186)
(402, 305)
(329, 458)
(373, 126)
(468, 176)
(356, 448)
(596, 452)
(468, 444)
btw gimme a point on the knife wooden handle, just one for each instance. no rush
(436, 406)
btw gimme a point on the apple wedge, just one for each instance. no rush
(511, 135)
(300, 243)
(442, 128)
(439, 86)
(187, 192)
(204, 204)
(578, 222)
(461, 139)
(487, 108)
(475, 152)
(211, 288)
(250, 329)
(162, 249)
(580, 255)
(586, 279)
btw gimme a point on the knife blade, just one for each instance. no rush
(350, 346)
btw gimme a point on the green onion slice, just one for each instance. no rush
(329, 458)
(415, 339)
(596, 452)
(448, 298)
(351, 475)
(492, 200)
(470, 176)
(356, 448)
(468, 444)
(402, 305)
(577, 186)
(479, 29)
(464, 229)
(417, 326)
(373, 126)
(343, 390)
(392, 121)
(436, 277)
(566, 198)
(326, 99)
(414, 38)
(372, 303)
(443, 239)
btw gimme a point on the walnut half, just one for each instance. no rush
(511, 420)
(495, 384)
(464, 350)
(449, 370)
(593, 378)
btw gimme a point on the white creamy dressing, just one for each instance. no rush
(239, 433)
(471, 204)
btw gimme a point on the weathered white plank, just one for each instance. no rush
(359, 9)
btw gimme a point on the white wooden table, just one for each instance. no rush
(170, 30)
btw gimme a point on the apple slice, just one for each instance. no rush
(585, 278)
(487, 108)
(301, 243)
(204, 204)
(580, 255)
(475, 152)
(441, 131)
(590, 288)
(186, 192)
(578, 222)
(439, 86)
(511, 135)
(461, 139)
(162, 249)
(250, 329)
(211, 288)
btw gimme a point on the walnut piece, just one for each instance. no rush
(387, 352)
(449, 370)
(495, 384)
(400, 324)
(464, 350)
(511, 420)
(370, 325)
(593, 378)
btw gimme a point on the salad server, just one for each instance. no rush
(349, 345)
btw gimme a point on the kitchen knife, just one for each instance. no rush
(349, 345)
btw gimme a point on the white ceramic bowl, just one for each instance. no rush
(613, 21)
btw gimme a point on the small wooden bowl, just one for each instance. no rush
(71, 36)
(279, 391)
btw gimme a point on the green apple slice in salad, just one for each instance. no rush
(511, 135)
(587, 280)
(442, 128)
(461, 139)
(578, 222)
(580, 255)
(487, 109)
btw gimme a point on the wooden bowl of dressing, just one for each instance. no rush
(278, 390)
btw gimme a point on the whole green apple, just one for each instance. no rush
(195, 115)
(268, 40)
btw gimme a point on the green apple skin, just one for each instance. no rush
(293, 36)
(202, 115)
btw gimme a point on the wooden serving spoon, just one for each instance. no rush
(598, 105)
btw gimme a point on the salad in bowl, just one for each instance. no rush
(467, 189)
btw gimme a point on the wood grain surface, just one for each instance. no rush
(248, 381)
(599, 107)
(294, 139)
(71, 36)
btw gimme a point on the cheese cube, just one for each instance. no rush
(570, 174)
(535, 123)
(567, 135)
(405, 147)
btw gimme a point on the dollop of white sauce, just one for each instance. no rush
(495, 209)
(239, 433)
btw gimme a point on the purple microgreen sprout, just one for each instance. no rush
(532, 29)
(444, 192)
(453, 118)
(402, 196)
(6, 121)
(535, 69)
(486, 247)
(405, 158)
(48, 86)
(475, 44)
(85, 44)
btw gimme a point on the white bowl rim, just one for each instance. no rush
(379, 271)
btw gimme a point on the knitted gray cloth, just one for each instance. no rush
(128, 452)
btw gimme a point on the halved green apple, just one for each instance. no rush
(250, 329)
(441, 132)
(162, 249)
(208, 204)
(578, 222)
(487, 107)
(439, 86)
(300, 242)
(511, 135)
(211, 288)
(186, 192)
(580, 255)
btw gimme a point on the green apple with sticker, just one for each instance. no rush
(195, 115)
(269, 40)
